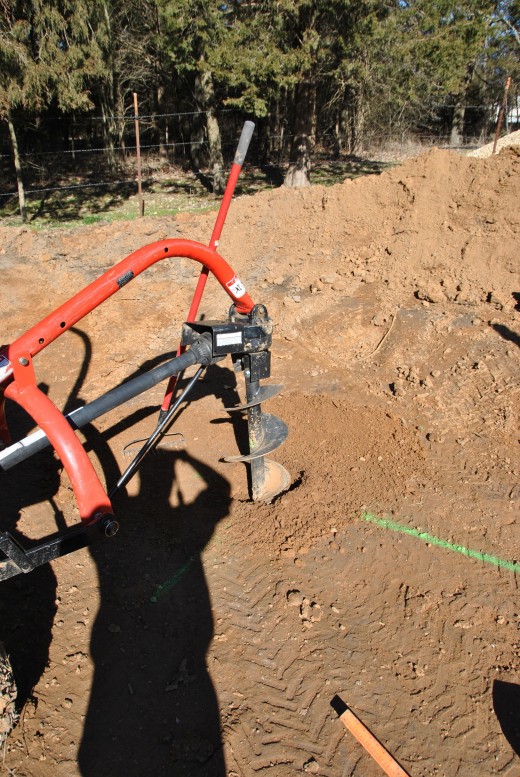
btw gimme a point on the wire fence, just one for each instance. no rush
(48, 171)
(130, 116)
(152, 161)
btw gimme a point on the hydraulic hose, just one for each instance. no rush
(199, 353)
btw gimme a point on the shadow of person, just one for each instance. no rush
(153, 709)
(506, 703)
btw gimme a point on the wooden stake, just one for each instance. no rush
(138, 147)
(373, 747)
(501, 113)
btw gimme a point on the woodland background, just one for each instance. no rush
(320, 78)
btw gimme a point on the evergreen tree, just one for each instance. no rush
(288, 49)
(190, 30)
(127, 33)
(46, 54)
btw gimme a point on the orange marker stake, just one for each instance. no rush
(373, 747)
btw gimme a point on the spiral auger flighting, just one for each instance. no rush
(247, 338)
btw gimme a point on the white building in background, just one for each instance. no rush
(513, 114)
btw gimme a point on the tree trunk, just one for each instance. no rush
(299, 172)
(120, 108)
(274, 130)
(356, 121)
(107, 98)
(457, 125)
(161, 127)
(196, 145)
(339, 135)
(459, 112)
(205, 95)
(109, 130)
(343, 130)
(73, 136)
(160, 123)
(17, 167)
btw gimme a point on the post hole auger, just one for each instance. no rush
(246, 336)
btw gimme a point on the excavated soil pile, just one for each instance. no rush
(209, 637)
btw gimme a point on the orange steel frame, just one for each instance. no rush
(17, 376)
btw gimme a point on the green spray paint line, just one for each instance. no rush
(172, 582)
(384, 523)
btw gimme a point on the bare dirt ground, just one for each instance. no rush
(210, 635)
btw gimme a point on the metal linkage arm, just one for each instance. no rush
(199, 353)
(18, 560)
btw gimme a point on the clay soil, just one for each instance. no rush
(210, 635)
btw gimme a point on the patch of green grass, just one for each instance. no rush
(165, 195)
(92, 219)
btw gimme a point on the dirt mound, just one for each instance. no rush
(441, 226)
(396, 336)
(513, 139)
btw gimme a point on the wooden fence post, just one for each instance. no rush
(501, 112)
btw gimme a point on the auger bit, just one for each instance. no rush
(247, 338)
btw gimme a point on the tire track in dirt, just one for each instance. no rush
(413, 647)
(278, 676)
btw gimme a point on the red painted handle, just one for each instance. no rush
(16, 369)
(51, 327)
